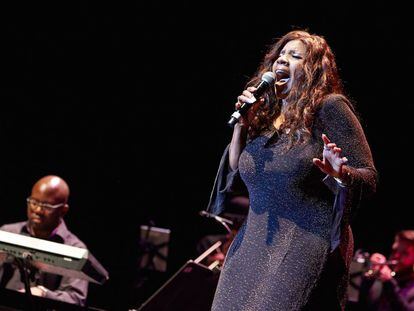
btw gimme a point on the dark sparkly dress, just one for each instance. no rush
(294, 250)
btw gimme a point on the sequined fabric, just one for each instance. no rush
(281, 258)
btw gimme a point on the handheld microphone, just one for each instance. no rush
(268, 79)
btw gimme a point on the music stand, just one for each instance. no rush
(358, 267)
(191, 288)
(154, 247)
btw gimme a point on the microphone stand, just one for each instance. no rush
(24, 266)
(221, 220)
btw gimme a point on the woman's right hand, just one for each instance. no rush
(248, 97)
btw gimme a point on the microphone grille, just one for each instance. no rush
(269, 77)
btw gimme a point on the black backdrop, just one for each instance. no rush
(128, 103)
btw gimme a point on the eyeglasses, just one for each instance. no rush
(44, 206)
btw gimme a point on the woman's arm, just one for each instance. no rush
(346, 154)
(238, 142)
(239, 138)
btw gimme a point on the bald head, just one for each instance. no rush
(54, 188)
(50, 191)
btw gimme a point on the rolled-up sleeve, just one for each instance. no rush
(70, 290)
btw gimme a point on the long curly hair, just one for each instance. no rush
(312, 83)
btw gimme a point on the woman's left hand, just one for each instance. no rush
(331, 162)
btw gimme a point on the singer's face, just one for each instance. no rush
(289, 61)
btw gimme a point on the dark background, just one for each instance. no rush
(129, 102)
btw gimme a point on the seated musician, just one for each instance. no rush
(389, 284)
(46, 208)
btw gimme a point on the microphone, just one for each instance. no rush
(268, 79)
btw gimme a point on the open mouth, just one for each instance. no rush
(282, 77)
